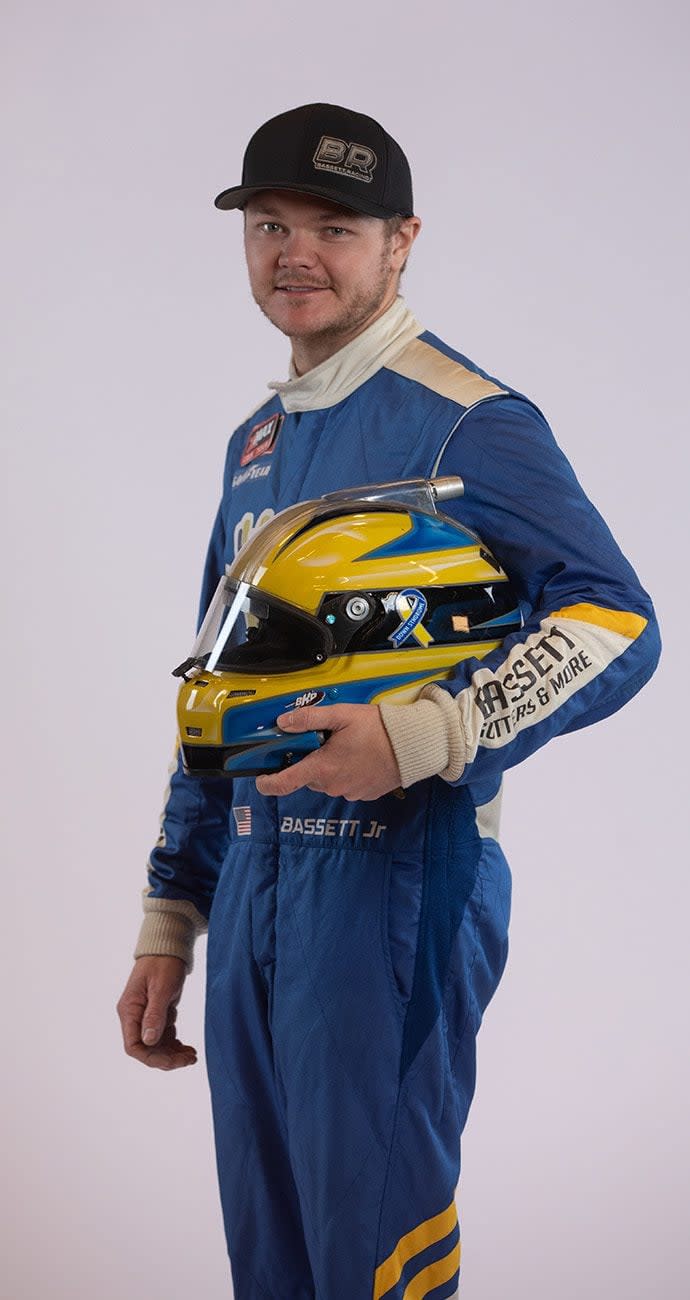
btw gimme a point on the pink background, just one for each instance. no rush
(549, 149)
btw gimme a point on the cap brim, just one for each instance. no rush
(239, 194)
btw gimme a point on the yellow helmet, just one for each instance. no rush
(357, 596)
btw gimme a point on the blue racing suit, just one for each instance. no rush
(353, 947)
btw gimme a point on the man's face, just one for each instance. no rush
(319, 272)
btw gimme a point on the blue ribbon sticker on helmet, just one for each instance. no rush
(411, 605)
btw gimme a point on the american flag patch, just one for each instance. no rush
(243, 820)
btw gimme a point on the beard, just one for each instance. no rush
(348, 318)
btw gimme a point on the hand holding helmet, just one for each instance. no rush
(357, 760)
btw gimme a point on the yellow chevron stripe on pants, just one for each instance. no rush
(425, 1234)
(434, 1275)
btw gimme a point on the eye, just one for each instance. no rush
(270, 227)
(336, 230)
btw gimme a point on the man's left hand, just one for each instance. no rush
(357, 760)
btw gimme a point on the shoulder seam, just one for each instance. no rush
(490, 397)
(252, 413)
(426, 365)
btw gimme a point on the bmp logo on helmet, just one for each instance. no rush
(308, 697)
(344, 158)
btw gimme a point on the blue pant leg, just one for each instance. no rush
(260, 1205)
(337, 1027)
(420, 1241)
(376, 1086)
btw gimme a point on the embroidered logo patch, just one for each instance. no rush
(345, 158)
(243, 820)
(261, 439)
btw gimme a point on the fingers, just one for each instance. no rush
(317, 771)
(148, 1010)
(168, 1054)
(307, 772)
(357, 761)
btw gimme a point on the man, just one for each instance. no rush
(347, 976)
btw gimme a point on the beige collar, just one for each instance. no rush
(338, 376)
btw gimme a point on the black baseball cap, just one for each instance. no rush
(331, 152)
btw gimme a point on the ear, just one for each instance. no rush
(402, 242)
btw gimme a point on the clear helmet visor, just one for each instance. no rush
(246, 630)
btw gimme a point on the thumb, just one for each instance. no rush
(311, 717)
(154, 1019)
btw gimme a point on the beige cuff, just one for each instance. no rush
(169, 929)
(426, 736)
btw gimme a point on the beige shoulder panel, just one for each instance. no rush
(428, 366)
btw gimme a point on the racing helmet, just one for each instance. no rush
(359, 596)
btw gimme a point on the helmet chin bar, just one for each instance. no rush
(422, 493)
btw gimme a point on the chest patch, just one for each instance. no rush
(261, 439)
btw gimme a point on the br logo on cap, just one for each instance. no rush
(345, 159)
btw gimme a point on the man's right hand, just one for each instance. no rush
(148, 1009)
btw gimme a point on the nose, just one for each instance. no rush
(297, 249)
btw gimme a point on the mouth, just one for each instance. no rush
(303, 289)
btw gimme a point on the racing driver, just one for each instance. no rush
(348, 971)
